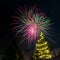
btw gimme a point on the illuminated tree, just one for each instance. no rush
(42, 51)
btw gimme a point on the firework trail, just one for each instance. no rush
(29, 23)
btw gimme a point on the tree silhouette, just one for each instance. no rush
(14, 52)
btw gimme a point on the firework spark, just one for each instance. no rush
(30, 22)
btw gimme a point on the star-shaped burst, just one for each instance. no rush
(30, 22)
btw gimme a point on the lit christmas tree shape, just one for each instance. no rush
(42, 50)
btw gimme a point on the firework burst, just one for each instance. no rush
(30, 22)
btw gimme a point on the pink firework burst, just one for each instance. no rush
(30, 22)
(32, 32)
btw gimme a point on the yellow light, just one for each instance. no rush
(41, 52)
(41, 56)
(41, 38)
(45, 43)
(48, 56)
(38, 53)
(38, 49)
(44, 48)
(41, 34)
(46, 51)
(38, 45)
(38, 41)
(45, 56)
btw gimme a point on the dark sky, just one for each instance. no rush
(7, 8)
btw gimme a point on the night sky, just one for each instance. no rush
(7, 9)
